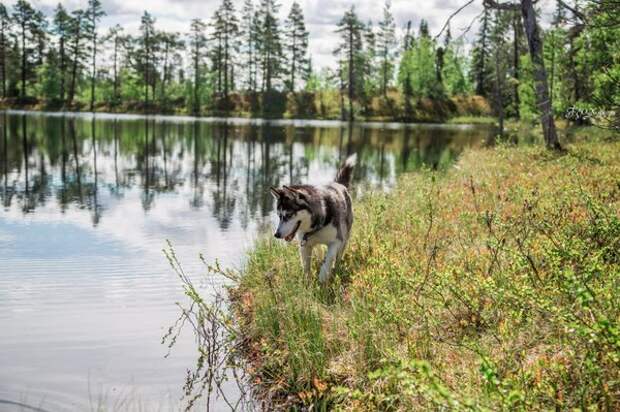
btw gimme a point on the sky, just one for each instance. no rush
(321, 16)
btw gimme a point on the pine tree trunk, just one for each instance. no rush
(226, 66)
(76, 52)
(23, 93)
(351, 74)
(3, 60)
(62, 70)
(93, 73)
(516, 64)
(294, 56)
(115, 85)
(540, 75)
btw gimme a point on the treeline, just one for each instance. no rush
(249, 61)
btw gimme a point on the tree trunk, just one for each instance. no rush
(3, 59)
(540, 75)
(76, 52)
(515, 62)
(226, 73)
(115, 85)
(62, 69)
(23, 93)
(499, 92)
(294, 56)
(94, 72)
(351, 90)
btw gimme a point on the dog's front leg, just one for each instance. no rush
(332, 251)
(305, 252)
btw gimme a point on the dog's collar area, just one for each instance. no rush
(315, 230)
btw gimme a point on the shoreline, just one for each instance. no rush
(242, 120)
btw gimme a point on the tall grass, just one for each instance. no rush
(492, 286)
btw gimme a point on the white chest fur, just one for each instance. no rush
(325, 236)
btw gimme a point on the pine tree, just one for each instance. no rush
(296, 46)
(386, 45)
(119, 42)
(481, 69)
(249, 36)
(76, 51)
(145, 55)
(424, 29)
(351, 57)
(171, 45)
(198, 53)
(226, 31)
(62, 29)
(370, 81)
(500, 58)
(23, 16)
(269, 44)
(5, 27)
(94, 12)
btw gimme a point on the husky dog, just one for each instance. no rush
(317, 215)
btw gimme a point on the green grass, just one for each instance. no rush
(492, 286)
(487, 120)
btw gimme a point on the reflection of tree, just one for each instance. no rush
(76, 158)
(96, 207)
(223, 202)
(6, 192)
(199, 154)
(227, 167)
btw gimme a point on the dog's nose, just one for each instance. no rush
(277, 235)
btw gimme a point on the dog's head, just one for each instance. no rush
(293, 210)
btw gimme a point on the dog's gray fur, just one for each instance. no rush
(317, 215)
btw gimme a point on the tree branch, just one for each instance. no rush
(500, 6)
(573, 10)
(451, 16)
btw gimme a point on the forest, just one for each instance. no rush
(247, 60)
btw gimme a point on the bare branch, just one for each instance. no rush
(451, 16)
(500, 6)
(573, 10)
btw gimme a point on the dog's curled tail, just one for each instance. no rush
(345, 173)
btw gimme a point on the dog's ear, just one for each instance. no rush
(298, 195)
(275, 192)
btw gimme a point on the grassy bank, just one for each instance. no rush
(324, 105)
(494, 285)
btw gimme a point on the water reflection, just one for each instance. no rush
(81, 161)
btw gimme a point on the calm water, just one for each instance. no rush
(87, 205)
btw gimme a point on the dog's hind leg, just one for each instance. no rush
(333, 250)
(306, 257)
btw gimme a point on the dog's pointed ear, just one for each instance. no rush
(297, 194)
(275, 192)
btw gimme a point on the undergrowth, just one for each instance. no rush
(492, 286)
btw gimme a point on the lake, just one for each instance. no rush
(88, 203)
